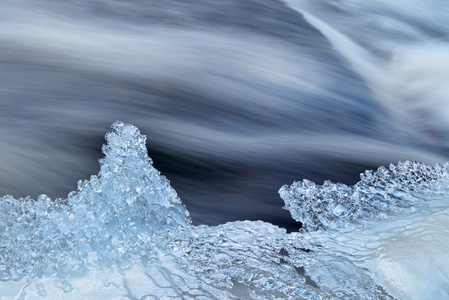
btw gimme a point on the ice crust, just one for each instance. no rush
(116, 214)
(401, 189)
(125, 234)
(393, 224)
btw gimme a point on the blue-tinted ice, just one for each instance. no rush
(125, 234)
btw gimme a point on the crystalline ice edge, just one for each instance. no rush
(401, 189)
(393, 223)
(116, 214)
(125, 234)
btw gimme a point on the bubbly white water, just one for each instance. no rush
(125, 234)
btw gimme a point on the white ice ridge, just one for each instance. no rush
(125, 234)
(401, 189)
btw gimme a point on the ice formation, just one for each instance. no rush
(400, 190)
(393, 225)
(125, 234)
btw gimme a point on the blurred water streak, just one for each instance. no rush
(236, 97)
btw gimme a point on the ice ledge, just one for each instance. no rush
(402, 188)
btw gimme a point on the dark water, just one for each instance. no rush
(236, 98)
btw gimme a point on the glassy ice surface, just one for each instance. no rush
(125, 234)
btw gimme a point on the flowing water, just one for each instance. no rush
(236, 98)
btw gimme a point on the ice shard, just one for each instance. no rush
(124, 234)
(125, 213)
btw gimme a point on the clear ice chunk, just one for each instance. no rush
(125, 213)
(124, 234)
(401, 189)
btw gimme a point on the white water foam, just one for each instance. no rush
(400, 49)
